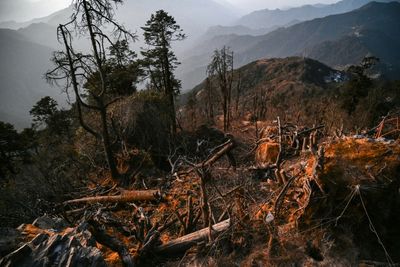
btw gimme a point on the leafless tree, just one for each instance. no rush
(221, 67)
(85, 72)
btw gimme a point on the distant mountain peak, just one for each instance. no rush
(266, 17)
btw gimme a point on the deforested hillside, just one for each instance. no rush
(301, 90)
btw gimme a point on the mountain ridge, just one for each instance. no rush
(278, 17)
(21, 77)
(303, 38)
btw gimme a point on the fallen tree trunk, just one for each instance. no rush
(185, 242)
(111, 242)
(225, 148)
(126, 196)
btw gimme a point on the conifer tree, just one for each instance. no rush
(159, 59)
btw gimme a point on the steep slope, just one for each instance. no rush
(22, 68)
(268, 18)
(41, 33)
(290, 87)
(299, 90)
(336, 40)
(217, 31)
(350, 49)
(264, 21)
(384, 18)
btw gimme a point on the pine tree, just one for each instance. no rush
(159, 59)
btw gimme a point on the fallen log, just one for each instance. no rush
(126, 196)
(183, 243)
(111, 242)
(225, 148)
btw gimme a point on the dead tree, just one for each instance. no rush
(209, 100)
(202, 170)
(185, 242)
(238, 92)
(85, 73)
(260, 104)
(127, 196)
(221, 67)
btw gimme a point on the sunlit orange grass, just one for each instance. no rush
(363, 153)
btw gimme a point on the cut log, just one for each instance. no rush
(183, 243)
(126, 196)
(225, 148)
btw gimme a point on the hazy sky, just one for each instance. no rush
(12, 9)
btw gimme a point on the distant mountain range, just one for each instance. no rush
(337, 40)
(269, 18)
(23, 64)
(134, 14)
(264, 21)
(26, 50)
(19, 10)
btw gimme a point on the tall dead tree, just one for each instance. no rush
(260, 101)
(85, 72)
(238, 92)
(209, 100)
(221, 67)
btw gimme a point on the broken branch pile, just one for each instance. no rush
(316, 200)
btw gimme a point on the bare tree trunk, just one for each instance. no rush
(99, 98)
(203, 173)
(169, 90)
(185, 242)
(238, 91)
(127, 196)
(210, 104)
(106, 143)
(225, 110)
